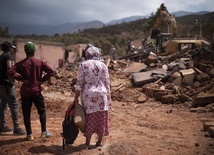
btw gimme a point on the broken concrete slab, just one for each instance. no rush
(158, 95)
(203, 100)
(169, 99)
(142, 78)
(151, 92)
(207, 125)
(135, 67)
(184, 98)
(184, 76)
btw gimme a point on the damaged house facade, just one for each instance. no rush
(57, 55)
(50, 52)
(73, 53)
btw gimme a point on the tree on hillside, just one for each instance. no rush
(4, 33)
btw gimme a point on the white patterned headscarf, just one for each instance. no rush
(92, 53)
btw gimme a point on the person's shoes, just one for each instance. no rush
(5, 129)
(19, 131)
(30, 137)
(46, 134)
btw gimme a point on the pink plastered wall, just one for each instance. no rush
(52, 54)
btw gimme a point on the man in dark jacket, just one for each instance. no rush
(7, 90)
(30, 71)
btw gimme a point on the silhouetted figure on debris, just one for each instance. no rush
(113, 53)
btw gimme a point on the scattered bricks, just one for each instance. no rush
(159, 94)
(146, 87)
(174, 77)
(208, 69)
(167, 99)
(151, 59)
(52, 81)
(203, 100)
(196, 84)
(175, 89)
(211, 131)
(202, 77)
(184, 98)
(150, 91)
(202, 66)
(211, 73)
(45, 88)
(207, 125)
(206, 120)
(142, 98)
(135, 67)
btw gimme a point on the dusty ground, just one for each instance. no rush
(135, 129)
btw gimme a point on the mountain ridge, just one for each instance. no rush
(21, 29)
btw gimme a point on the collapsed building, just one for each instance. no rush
(55, 54)
(185, 77)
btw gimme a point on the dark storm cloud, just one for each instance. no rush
(61, 11)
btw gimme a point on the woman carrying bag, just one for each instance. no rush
(93, 87)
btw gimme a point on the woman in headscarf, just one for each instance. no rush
(93, 87)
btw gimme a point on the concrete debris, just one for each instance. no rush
(207, 125)
(142, 98)
(135, 67)
(184, 77)
(169, 99)
(203, 99)
(211, 131)
(142, 78)
(176, 78)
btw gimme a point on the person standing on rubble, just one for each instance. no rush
(129, 45)
(30, 71)
(7, 91)
(112, 52)
(148, 50)
(93, 87)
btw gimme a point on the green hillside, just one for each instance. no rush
(119, 34)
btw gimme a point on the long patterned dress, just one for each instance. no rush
(94, 84)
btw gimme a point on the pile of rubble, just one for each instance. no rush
(185, 77)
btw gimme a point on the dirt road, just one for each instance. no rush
(150, 128)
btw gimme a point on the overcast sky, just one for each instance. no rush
(57, 12)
